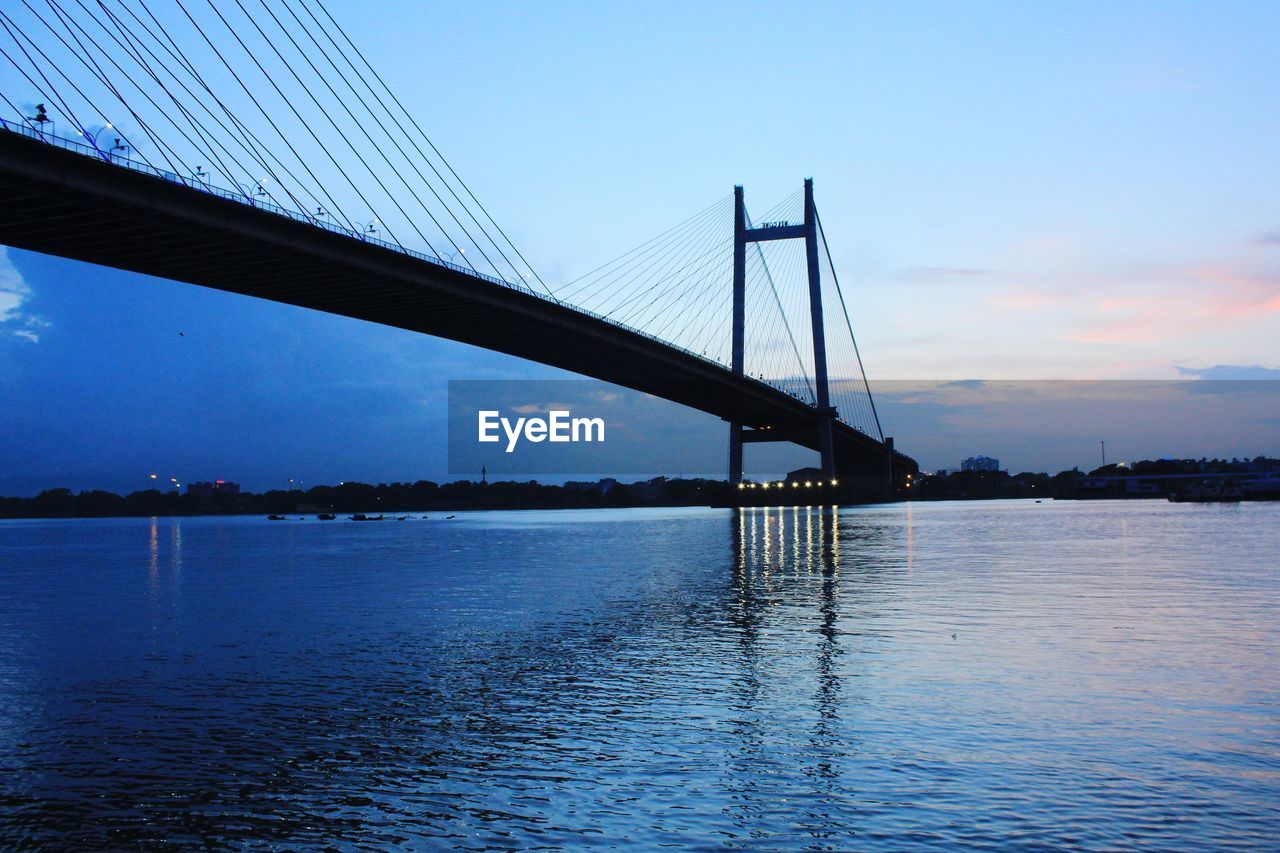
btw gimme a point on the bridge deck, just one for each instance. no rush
(63, 203)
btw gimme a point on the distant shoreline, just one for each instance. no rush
(1145, 480)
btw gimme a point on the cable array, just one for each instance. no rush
(678, 286)
(673, 286)
(778, 347)
(271, 99)
(847, 380)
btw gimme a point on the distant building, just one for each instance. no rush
(205, 490)
(980, 463)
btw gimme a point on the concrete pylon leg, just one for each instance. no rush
(826, 449)
(819, 333)
(735, 453)
(739, 323)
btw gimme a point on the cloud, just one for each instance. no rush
(1265, 239)
(13, 290)
(1230, 371)
(14, 294)
(541, 408)
(1187, 301)
(923, 275)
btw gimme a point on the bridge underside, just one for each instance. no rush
(61, 203)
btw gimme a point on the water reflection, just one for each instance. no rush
(154, 550)
(793, 543)
(164, 582)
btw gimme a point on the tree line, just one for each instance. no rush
(420, 496)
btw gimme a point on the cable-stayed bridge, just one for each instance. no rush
(250, 146)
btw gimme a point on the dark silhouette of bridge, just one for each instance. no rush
(90, 199)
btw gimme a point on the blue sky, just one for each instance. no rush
(1010, 191)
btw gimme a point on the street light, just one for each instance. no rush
(449, 256)
(259, 191)
(91, 135)
(153, 480)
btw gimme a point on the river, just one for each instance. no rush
(1069, 674)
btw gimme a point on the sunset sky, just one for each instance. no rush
(1089, 191)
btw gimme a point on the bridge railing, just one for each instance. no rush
(245, 198)
(250, 200)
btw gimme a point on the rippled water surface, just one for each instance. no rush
(1095, 675)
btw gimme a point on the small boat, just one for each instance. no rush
(326, 516)
(276, 518)
(404, 518)
(360, 516)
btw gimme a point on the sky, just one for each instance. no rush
(1010, 191)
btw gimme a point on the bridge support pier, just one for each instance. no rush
(771, 231)
(827, 413)
(735, 453)
(739, 323)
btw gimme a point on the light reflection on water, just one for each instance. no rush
(1099, 675)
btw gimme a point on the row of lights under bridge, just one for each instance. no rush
(795, 484)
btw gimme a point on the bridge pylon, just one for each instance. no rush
(807, 231)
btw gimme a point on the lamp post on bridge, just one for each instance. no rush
(40, 119)
(119, 146)
(92, 136)
(260, 190)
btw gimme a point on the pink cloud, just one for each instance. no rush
(1192, 300)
